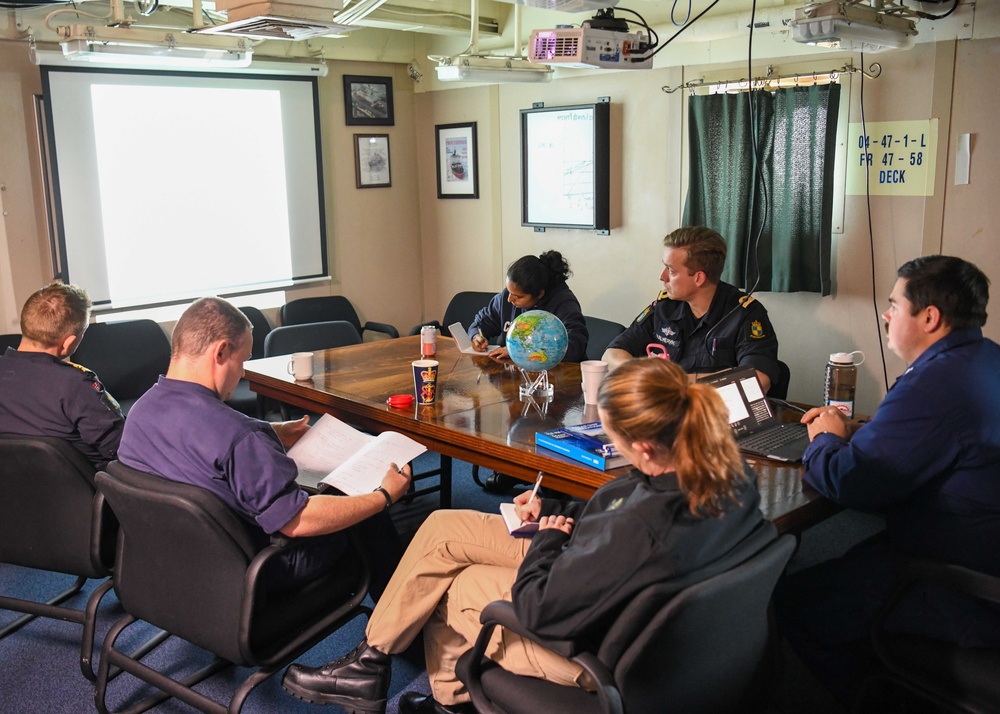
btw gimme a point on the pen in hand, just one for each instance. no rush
(534, 494)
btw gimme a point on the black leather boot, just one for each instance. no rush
(417, 703)
(358, 681)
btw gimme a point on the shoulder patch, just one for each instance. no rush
(756, 330)
(644, 314)
(747, 300)
(80, 367)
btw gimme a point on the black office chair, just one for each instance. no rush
(128, 357)
(953, 678)
(706, 644)
(779, 389)
(12, 340)
(462, 308)
(186, 563)
(244, 400)
(601, 333)
(327, 309)
(52, 518)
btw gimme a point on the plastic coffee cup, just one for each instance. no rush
(592, 373)
(425, 372)
(300, 366)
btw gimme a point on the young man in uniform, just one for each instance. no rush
(42, 393)
(703, 324)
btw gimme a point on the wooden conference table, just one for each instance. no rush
(479, 417)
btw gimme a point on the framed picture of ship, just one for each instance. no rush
(368, 101)
(371, 160)
(457, 160)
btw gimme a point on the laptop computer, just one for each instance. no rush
(755, 427)
(463, 341)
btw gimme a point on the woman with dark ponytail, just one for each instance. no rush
(533, 283)
(688, 502)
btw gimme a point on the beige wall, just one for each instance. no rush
(23, 241)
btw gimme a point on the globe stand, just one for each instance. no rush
(537, 387)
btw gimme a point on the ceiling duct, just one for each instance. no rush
(269, 20)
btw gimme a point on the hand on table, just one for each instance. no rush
(826, 420)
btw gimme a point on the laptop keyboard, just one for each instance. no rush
(770, 440)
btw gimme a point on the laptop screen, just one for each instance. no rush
(744, 397)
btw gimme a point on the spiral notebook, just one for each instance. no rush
(755, 427)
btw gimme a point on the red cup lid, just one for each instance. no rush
(400, 401)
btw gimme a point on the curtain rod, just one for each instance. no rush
(772, 82)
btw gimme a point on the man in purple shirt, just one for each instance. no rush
(42, 393)
(929, 461)
(182, 430)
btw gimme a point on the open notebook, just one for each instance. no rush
(463, 341)
(755, 427)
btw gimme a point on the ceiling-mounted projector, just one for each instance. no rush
(566, 5)
(852, 26)
(589, 47)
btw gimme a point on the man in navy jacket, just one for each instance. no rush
(929, 461)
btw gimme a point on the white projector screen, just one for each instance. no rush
(169, 186)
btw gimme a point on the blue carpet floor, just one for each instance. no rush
(39, 672)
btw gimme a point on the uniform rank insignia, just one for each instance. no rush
(746, 301)
(756, 330)
(615, 504)
(643, 315)
(663, 295)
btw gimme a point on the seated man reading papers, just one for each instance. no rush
(182, 429)
(689, 500)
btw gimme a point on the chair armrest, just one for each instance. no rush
(946, 575)
(501, 612)
(383, 327)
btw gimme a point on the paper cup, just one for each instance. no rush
(425, 373)
(300, 366)
(592, 373)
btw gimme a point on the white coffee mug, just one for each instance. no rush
(301, 366)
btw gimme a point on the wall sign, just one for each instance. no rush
(900, 158)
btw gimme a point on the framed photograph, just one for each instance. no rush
(371, 160)
(368, 101)
(457, 161)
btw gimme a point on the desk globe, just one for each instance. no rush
(536, 342)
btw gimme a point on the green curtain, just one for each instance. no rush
(796, 132)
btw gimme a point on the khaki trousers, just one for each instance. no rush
(457, 563)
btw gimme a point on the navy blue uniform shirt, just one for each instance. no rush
(735, 332)
(42, 395)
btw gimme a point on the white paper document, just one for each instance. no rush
(464, 342)
(515, 525)
(352, 461)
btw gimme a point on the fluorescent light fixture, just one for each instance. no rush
(470, 68)
(152, 48)
(852, 26)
